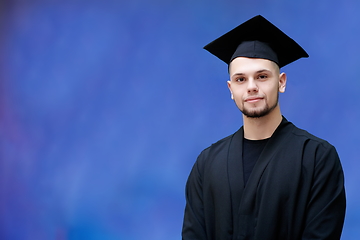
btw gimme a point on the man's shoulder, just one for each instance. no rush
(219, 145)
(305, 136)
(226, 140)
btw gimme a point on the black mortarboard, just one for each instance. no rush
(257, 38)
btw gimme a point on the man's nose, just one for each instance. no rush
(252, 87)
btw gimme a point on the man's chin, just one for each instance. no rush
(256, 113)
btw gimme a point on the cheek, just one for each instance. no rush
(238, 99)
(238, 94)
(271, 90)
(272, 94)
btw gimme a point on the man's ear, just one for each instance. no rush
(282, 82)
(229, 86)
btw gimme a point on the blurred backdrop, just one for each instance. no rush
(105, 105)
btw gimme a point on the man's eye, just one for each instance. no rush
(262, 76)
(240, 79)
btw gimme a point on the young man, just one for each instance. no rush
(269, 180)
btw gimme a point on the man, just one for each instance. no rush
(269, 180)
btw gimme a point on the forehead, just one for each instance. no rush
(249, 65)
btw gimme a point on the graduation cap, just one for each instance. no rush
(257, 38)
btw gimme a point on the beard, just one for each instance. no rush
(260, 112)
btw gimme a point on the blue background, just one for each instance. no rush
(105, 105)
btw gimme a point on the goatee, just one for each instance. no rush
(262, 112)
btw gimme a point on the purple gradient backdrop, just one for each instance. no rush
(105, 106)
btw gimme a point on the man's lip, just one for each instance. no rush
(253, 99)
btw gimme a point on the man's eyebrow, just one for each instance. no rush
(257, 72)
(237, 74)
(263, 70)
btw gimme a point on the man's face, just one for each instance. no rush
(255, 84)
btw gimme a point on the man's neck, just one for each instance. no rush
(263, 127)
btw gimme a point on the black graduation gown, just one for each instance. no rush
(295, 191)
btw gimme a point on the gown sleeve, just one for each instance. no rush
(326, 206)
(194, 222)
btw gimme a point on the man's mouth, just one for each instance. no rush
(253, 99)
